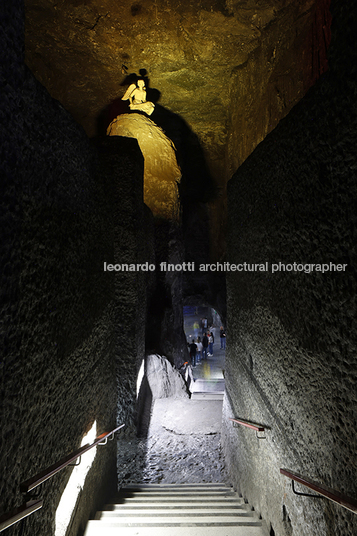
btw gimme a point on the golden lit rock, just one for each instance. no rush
(161, 172)
(231, 70)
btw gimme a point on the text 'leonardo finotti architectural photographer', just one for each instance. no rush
(227, 267)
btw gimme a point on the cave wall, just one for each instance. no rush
(291, 341)
(71, 335)
(291, 56)
(230, 70)
(192, 52)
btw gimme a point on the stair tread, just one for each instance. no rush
(105, 514)
(187, 485)
(210, 501)
(95, 528)
(174, 506)
(177, 493)
(197, 395)
(179, 520)
(187, 509)
(114, 509)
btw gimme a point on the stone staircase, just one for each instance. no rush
(208, 389)
(176, 510)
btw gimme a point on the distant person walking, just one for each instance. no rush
(193, 351)
(196, 328)
(204, 324)
(222, 336)
(199, 350)
(204, 346)
(210, 343)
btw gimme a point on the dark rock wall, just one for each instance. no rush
(230, 71)
(71, 334)
(277, 74)
(121, 169)
(291, 344)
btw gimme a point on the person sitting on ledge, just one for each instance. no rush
(136, 94)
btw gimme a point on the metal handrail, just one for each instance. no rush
(339, 498)
(6, 520)
(19, 513)
(253, 426)
(50, 471)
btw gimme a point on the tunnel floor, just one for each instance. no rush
(183, 444)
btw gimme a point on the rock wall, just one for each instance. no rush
(164, 380)
(71, 335)
(276, 75)
(291, 342)
(190, 50)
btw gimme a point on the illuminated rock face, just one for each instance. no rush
(161, 171)
(230, 69)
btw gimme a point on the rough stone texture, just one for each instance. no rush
(231, 70)
(121, 170)
(189, 48)
(63, 358)
(291, 343)
(164, 330)
(164, 380)
(291, 55)
(183, 445)
(161, 172)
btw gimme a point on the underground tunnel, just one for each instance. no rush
(163, 162)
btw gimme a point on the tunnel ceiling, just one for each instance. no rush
(230, 69)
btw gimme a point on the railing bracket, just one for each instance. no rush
(305, 494)
(76, 463)
(324, 491)
(105, 441)
(260, 437)
(257, 427)
(28, 487)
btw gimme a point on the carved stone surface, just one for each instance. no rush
(231, 69)
(161, 171)
(291, 344)
(163, 379)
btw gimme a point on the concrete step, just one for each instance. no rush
(206, 396)
(94, 528)
(114, 509)
(176, 510)
(149, 487)
(171, 521)
(167, 501)
(210, 386)
(172, 505)
(219, 492)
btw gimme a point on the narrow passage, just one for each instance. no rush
(184, 439)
